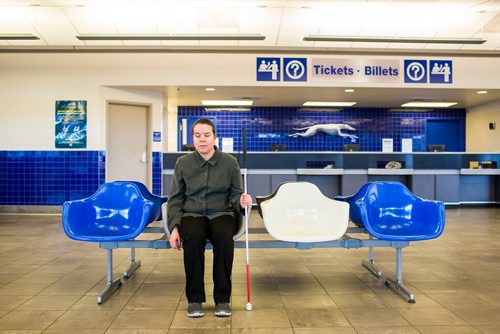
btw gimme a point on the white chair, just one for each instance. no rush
(299, 212)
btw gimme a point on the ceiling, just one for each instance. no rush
(283, 24)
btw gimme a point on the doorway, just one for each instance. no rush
(128, 153)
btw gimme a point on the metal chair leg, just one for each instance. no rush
(111, 285)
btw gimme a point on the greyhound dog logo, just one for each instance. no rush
(329, 129)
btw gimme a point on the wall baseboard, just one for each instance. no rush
(30, 209)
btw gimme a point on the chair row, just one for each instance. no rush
(297, 215)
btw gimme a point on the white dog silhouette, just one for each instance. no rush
(329, 129)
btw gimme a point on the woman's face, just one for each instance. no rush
(203, 138)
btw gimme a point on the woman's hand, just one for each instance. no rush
(175, 239)
(246, 201)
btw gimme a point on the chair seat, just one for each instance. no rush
(299, 212)
(117, 211)
(390, 211)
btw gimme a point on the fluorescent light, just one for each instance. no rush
(409, 110)
(326, 38)
(349, 90)
(319, 110)
(210, 89)
(328, 104)
(18, 37)
(482, 92)
(419, 104)
(220, 103)
(241, 109)
(173, 37)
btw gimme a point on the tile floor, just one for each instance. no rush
(49, 284)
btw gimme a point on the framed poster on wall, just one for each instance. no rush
(71, 124)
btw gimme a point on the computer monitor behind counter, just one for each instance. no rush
(351, 147)
(435, 148)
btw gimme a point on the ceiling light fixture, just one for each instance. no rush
(219, 103)
(420, 104)
(210, 89)
(328, 104)
(349, 90)
(237, 109)
(179, 37)
(18, 37)
(326, 38)
(482, 92)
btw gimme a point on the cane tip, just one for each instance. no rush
(249, 307)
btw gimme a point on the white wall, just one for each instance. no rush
(30, 83)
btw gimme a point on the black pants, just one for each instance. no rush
(194, 233)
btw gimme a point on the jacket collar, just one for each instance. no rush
(212, 161)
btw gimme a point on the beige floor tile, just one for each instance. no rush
(209, 321)
(8, 303)
(49, 303)
(310, 318)
(67, 289)
(265, 318)
(138, 331)
(258, 302)
(261, 331)
(200, 331)
(73, 331)
(83, 320)
(476, 314)
(20, 331)
(358, 301)
(145, 303)
(386, 330)
(126, 288)
(39, 278)
(301, 289)
(374, 317)
(448, 330)
(89, 303)
(142, 319)
(28, 319)
(431, 316)
(330, 330)
(486, 329)
(308, 302)
(22, 289)
(160, 289)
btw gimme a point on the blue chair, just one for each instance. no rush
(117, 211)
(354, 214)
(155, 214)
(389, 211)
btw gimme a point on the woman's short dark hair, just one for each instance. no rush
(204, 121)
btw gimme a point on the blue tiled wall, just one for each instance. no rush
(157, 170)
(272, 125)
(52, 177)
(49, 177)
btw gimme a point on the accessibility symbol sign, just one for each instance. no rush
(295, 69)
(415, 71)
(268, 69)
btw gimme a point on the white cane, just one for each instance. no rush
(247, 217)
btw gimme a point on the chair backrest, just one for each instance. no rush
(155, 213)
(299, 212)
(390, 211)
(354, 214)
(116, 211)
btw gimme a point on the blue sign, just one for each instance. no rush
(295, 69)
(441, 71)
(268, 69)
(415, 71)
(157, 136)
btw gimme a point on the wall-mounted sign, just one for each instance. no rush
(271, 69)
(428, 71)
(355, 70)
(157, 136)
(71, 124)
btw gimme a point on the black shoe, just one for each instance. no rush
(195, 310)
(222, 310)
